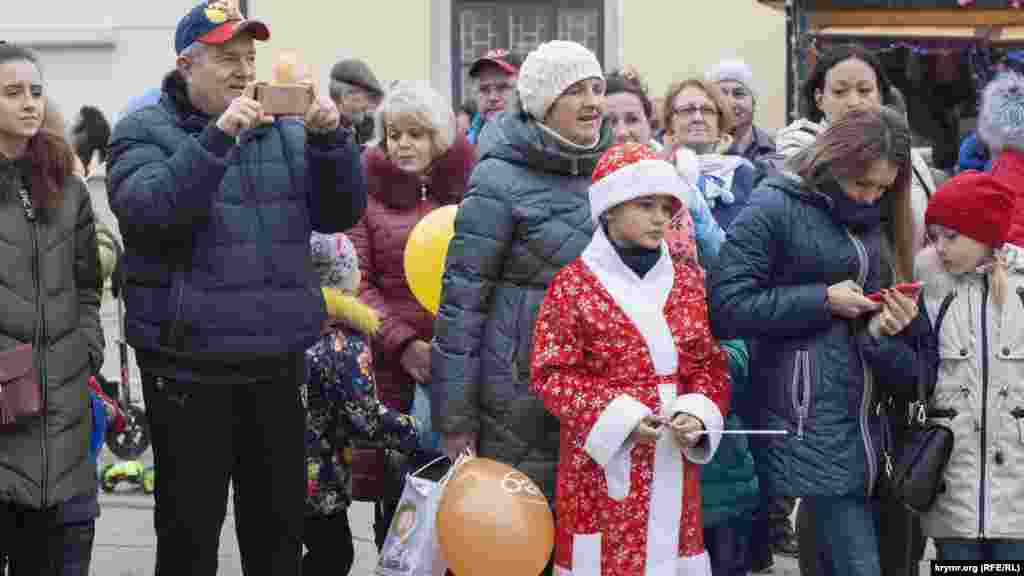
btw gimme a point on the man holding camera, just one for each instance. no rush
(216, 201)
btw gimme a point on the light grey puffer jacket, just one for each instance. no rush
(49, 295)
(980, 395)
(526, 215)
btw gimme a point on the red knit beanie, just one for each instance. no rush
(974, 204)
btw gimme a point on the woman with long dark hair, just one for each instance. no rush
(50, 298)
(792, 280)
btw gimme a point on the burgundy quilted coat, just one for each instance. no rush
(397, 201)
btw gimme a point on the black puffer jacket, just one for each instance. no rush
(49, 296)
(526, 215)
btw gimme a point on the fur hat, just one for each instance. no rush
(630, 171)
(335, 260)
(550, 70)
(974, 204)
(735, 70)
(1001, 121)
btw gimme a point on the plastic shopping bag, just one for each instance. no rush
(411, 547)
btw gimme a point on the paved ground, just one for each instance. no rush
(125, 542)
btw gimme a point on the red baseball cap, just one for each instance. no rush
(503, 59)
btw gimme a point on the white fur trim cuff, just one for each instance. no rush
(613, 428)
(702, 407)
(636, 180)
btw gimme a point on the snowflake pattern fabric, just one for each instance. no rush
(587, 352)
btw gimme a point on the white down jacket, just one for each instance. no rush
(980, 396)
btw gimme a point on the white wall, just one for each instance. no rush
(101, 52)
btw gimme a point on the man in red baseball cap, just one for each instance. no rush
(494, 76)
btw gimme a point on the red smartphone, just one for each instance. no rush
(909, 290)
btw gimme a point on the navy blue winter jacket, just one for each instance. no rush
(219, 278)
(814, 374)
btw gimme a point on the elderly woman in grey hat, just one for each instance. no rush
(525, 216)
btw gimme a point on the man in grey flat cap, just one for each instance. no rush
(356, 92)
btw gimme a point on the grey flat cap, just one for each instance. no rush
(358, 73)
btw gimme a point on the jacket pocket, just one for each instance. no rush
(800, 389)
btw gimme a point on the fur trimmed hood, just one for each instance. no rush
(447, 182)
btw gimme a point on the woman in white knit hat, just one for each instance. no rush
(525, 216)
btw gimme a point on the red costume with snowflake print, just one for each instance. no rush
(625, 509)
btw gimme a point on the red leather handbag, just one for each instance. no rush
(20, 394)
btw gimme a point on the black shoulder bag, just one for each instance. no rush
(912, 471)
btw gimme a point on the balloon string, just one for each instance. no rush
(769, 432)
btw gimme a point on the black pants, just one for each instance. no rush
(33, 541)
(329, 548)
(728, 545)
(207, 435)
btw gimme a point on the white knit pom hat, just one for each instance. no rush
(550, 70)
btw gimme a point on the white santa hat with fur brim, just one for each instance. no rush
(630, 171)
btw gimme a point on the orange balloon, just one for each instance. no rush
(493, 520)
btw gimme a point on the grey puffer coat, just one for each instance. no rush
(49, 294)
(526, 215)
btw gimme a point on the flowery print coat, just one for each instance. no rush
(341, 404)
(625, 509)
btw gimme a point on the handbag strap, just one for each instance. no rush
(918, 410)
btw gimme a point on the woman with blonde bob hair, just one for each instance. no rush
(416, 163)
(792, 279)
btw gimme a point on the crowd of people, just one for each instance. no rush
(680, 326)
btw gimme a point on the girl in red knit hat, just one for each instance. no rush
(624, 358)
(974, 298)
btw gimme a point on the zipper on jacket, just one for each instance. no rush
(868, 393)
(40, 348)
(801, 403)
(984, 408)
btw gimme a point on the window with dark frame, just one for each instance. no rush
(519, 26)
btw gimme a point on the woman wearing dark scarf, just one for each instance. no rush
(791, 280)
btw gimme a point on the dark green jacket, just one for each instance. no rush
(49, 295)
(728, 484)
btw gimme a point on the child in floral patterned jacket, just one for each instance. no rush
(341, 404)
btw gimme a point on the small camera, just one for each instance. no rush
(283, 99)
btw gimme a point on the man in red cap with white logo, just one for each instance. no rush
(216, 202)
(495, 77)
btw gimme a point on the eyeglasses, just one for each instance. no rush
(499, 89)
(690, 111)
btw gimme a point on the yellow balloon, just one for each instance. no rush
(425, 253)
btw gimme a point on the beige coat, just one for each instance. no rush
(984, 481)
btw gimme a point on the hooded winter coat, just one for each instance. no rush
(526, 215)
(816, 371)
(979, 394)
(49, 294)
(397, 202)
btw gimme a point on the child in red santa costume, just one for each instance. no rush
(623, 356)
